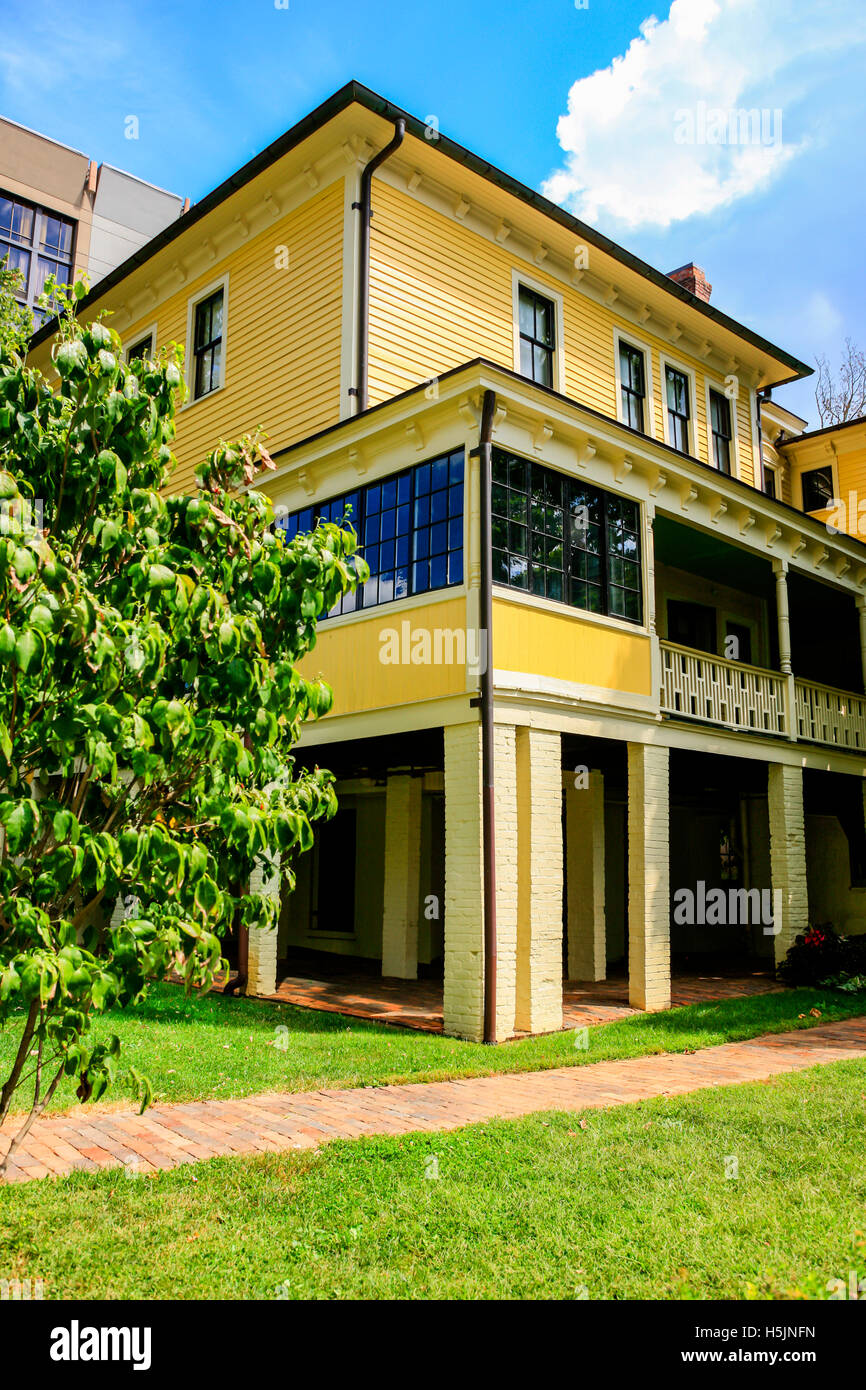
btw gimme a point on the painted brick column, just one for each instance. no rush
(539, 874)
(402, 876)
(262, 954)
(649, 923)
(584, 877)
(788, 852)
(464, 884)
(505, 812)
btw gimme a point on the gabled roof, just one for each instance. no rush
(355, 92)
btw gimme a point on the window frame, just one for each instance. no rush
(32, 247)
(834, 486)
(206, 292)
(667, 363)
(733, 453)
(136, 342)
(606, 583)
(770, 471)
(622, 338)
(554, 297)
(416, 501)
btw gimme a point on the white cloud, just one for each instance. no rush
(821, 319)
(650, 140)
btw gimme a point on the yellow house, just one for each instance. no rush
(600, 704)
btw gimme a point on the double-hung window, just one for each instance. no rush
(679, 409)
(141, 349)
(720, 429)
(536, 321)
(409, 528)
(564, 539)
(208, 344)
(817, 485)
(632, 377)
(38, 243)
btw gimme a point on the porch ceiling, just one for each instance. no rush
(710, 557)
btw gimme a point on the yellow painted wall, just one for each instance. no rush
(348, 658)
(567, 647)
(282, 335)
(440, 295)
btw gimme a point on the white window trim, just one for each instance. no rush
(830, 463)
(714, 384)
(771, 468)
(664, 362)
(631, 340)
(149, 332)
(204, 293)
(556, 299)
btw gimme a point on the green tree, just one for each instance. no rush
(149, 699)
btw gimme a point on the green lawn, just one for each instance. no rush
(194, 1049)
(635, 1204)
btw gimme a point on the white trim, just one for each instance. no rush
(712, 383)
(518, 278)
(221, 283)
(797, 473)
(632, 340)
(665, 361)
(149, 332)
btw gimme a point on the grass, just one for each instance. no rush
(217, 1047)
(635, 1204)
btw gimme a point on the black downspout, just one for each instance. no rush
(365, 208)
(485, 450)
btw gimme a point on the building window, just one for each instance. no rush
(817, 487)
(208, 344)
(563, 539)
(141, 350)
(334, 869)
(37, 243)
(770, 486)
(679, 410)
(409, 527)
(720, 428)
(632, 385)
(536, 318)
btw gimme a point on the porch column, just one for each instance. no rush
(505, 813)
(788, 852)
(649, 923)
(262, 950)
(464, 884)
(402, 876)
(584, 878)
(539, 880)
(780, 569)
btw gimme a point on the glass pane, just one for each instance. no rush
(16, 220)
(526, 312)
(56, 235)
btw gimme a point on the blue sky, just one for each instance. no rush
(778, 229)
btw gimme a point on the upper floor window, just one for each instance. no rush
(632, 385)
(409, 527)
(563, 539)
(208, 344)
(817, 487)
(38, 243)
(770, 485)
(720, 428)
(142, 348)
(536, 321)
(679, 408)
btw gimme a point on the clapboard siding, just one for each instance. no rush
(282, 335)
(441, 294)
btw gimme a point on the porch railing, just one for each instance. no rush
(825, 715)
(699, 686)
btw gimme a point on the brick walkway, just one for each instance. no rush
(418, 1003)
(168, 1135)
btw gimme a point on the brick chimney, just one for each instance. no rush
(693, 279)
